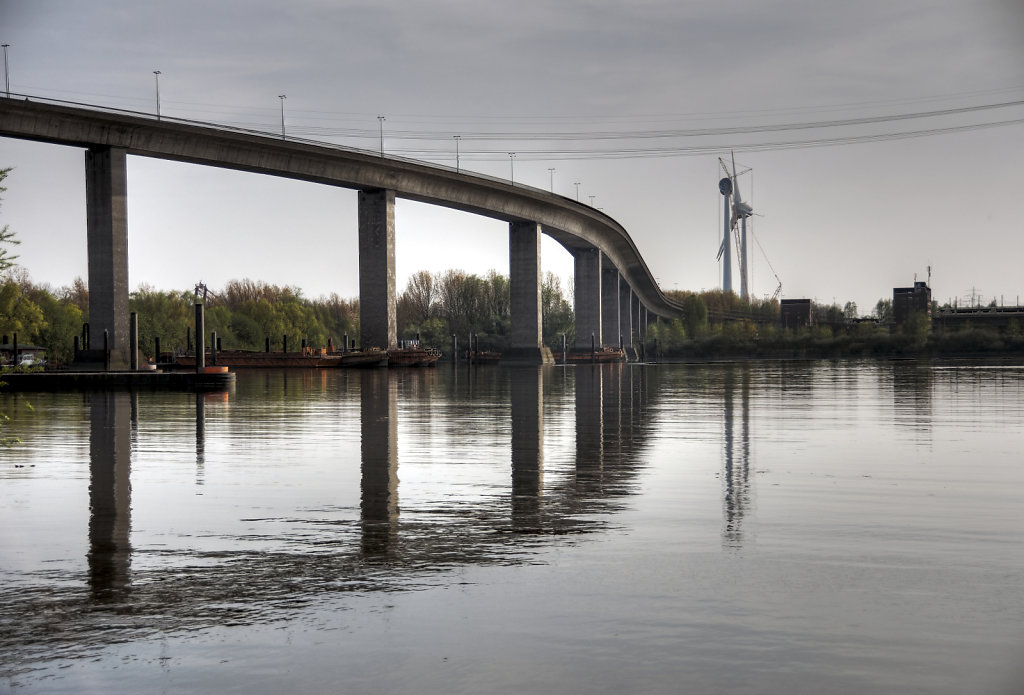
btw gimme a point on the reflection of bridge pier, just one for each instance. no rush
(527, 401)
(378, 406)
(110, 498)
(589, 428)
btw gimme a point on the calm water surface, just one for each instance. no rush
(741, 528)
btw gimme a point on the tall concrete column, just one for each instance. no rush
(378, 323)
(626, 313)
(635, 308)
(106, 209)
(609, 303)
(587, 300)
(526, 339)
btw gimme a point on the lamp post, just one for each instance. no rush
(156, 73)
(551, 171)
(512, 168)
(7, 78)
(577, 184)
(381, 119)
(457, 138)
(282, 97)
(592, 200)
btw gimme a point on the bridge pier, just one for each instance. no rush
(526, 339)
(587, 296)
(609, 303)
(378, 322)
(106, 207)
(635, 308)
(626, 318)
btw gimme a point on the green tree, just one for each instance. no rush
(557, 316)
(6, 235)
(883, 311)
(164, 315)
(695, 314)
(61, 323)
(18, 313)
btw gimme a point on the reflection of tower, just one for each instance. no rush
(378, 405)
(737, 458)
(110, 495)
(527, 398)
(912, 398)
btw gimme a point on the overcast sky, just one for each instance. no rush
(608, 94)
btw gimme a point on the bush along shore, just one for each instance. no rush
(746, 340)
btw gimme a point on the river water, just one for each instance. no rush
(796, 527)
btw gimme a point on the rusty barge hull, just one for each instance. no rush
(241, 359)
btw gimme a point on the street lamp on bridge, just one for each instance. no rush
(7, 77)
(457, 138)
(282, 97)
(156, 73)
(511, 168)
(381, 119)
(551, 171)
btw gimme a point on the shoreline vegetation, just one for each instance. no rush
(435, 306)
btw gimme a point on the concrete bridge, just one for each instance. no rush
(615, 293)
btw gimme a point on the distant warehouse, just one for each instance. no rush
(907, 301)
(796, 313)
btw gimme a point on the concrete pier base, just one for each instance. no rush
(526, 344)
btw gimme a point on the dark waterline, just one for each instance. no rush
(787, 527)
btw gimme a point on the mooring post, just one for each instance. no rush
(106, 349)
(266, 347)
(156, 349)
(85, 335)
(593, 347)
(344, 344)
(200, 332)
(213, 348)
(455, 354)
(14, 355)
(133, 341)
(188, 338)
(565, 354)
(75, 348)
(284, 344)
